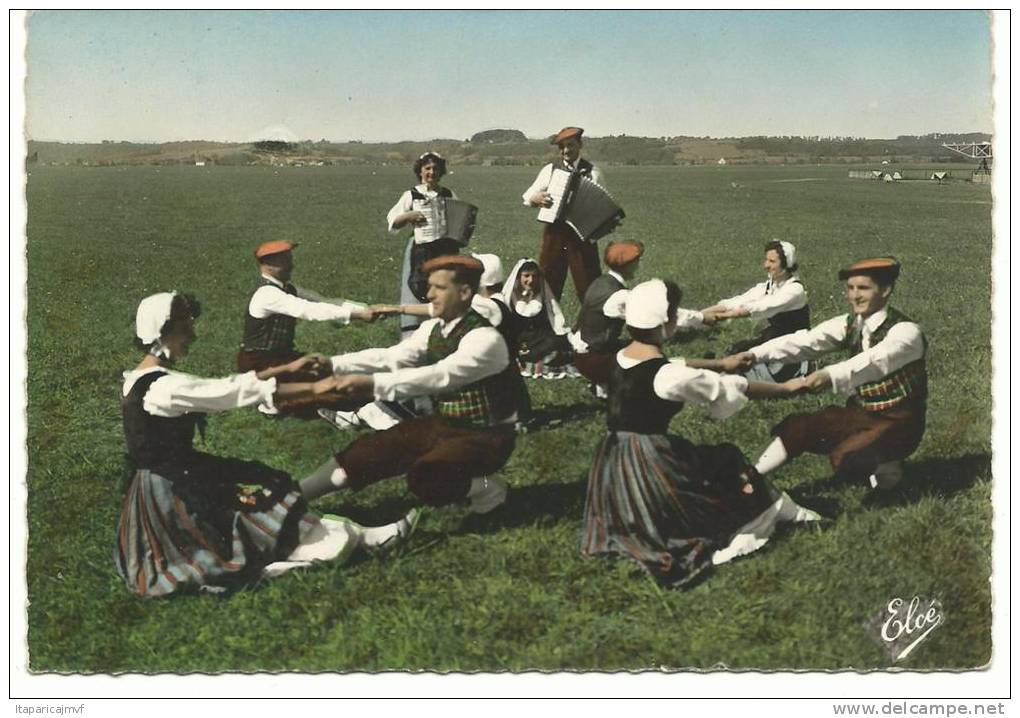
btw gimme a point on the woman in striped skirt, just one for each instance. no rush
(190, 519)
(673, 507)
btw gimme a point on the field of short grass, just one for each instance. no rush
(507, 591)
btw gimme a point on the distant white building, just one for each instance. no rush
(199, 163)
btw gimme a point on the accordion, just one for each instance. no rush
(582, 204)
(446, 218)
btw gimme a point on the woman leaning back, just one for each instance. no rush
(193, 520)
(674, 507)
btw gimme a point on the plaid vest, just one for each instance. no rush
(487, 402)
(909, 382)
(275, 333)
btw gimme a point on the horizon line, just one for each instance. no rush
(528, 139)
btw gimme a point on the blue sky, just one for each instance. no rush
(388, 75)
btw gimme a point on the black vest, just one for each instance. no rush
(442, 192)
(633, 403)
(507, 327)
(155, 441)
(790, 322)
(599, 332)
(275, 333)
(584, 167)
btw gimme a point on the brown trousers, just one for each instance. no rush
(561, 247)
(857, 441)
(438, 457)
(595, 366)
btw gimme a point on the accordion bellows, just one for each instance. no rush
(448, 218)
(583, 205)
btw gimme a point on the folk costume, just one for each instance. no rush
(673, 507)
(561, 247)
(464, 365)
(885, 377)
(413, 282)
(193, 520)
(596, 336)
(271, 315)
(539, 329)
(784, 306)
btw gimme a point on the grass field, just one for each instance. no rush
(507, 591)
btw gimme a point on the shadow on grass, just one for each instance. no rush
(552, 417)
(529, 506)
(942, 478)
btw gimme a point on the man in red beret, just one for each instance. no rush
(600, 322)
(275, 305)
(561, 247)
(885, 377)
(459, 359)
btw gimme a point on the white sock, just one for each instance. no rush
(378, 535)
(772, 458)
(324, 480)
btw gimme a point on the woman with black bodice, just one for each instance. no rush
(674, 507)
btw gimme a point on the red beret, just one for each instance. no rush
(277, 246)
(566, 133)
(623, 252)
(881, 269)
(463, 262)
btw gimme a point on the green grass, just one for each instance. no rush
(508, 591)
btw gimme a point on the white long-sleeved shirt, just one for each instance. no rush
(768, 299)
(722, 395)
(616, 308)
(177, 393)
(407, 203)
(271, 299)
(904, 343)
(541, 183)
(399, 373)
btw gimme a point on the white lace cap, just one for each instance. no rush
(647, 305)
(789, 251)
(492, 272)
(153, 311)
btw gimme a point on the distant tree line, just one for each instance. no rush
(511, 147)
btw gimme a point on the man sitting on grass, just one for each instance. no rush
(885, 375)
(462, 362)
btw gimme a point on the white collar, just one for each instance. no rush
(446, 327)
(424, 189)
(875, 320)
(272, 280)
(776, 284)
(617, 276)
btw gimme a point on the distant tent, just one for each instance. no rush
(887, 177)
(722, 161)
(938, 176)
(877, 174)
(897, 176)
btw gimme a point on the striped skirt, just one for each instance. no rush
(666, 503)
(201, 528)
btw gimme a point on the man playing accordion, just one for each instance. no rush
(561, 246)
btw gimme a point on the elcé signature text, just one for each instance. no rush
(913, 621)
